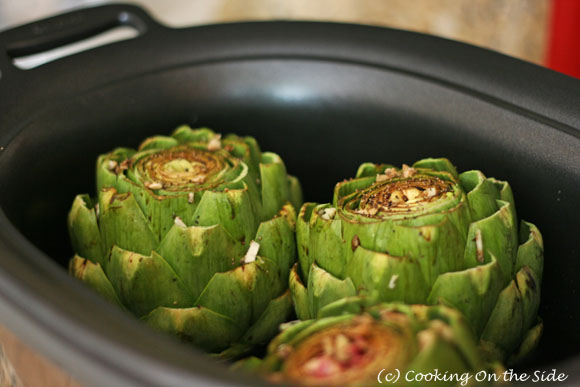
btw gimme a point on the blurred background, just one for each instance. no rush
(545, 32)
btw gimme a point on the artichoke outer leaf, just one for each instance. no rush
(145, 282)
(106, 163)
(437, 353)
(244, 292)
(233, 209)
(366, 170)
(266, 327)
(238, 148)
(288, 334)
(274, 181)
(197, 253)
(482, 194)
(303, 331)
(529, 287)
(295, 191)
(531, 250)
(463, 336)
(247, 172)
(460, 217)
(491, 351)
(251, 364)
(106, 178)
(473, 292)
(323, 288)
(347, 305)
(268, 324)
(277, 240)
(84, 230)
(123, 224)
(299, 295)
(437, 164)
(158, 142)
(350, 187)
(255, 152)
(184, 134)
(305, 258)
(204, 328)
(505, 325)
(162, 210)
(423, 244)
(498, 234)
(505, 194)
(383, 277)
(529, 343)
(93, 275)
(371, 169)
(326, 243)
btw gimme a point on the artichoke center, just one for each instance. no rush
(347, 353)
(180, 167)
(402, 195)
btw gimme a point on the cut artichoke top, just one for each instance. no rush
(349, 352)
(392, 194)
(351, 344)
(183, 168)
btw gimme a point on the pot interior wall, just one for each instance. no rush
(324, 119)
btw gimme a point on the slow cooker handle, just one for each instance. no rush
(68, 28)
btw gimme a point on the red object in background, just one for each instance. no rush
(564, 43)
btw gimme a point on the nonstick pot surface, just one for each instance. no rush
(325, 97)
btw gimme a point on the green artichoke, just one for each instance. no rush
(193, 234)
(425, 235)
(383, 344)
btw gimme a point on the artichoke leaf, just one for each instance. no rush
(243, 293)
(274, 182)
(158, 142)
(197, 253)
(266, 327)
(473, 292)
(305, 258)
(93, 275)
(277, 240)
(202, 327)
(494, 236)
(233, 210)
(144, 283)
(531, 250)
(323, 288)
(439, 164)
(482, 194)
(299, 295)
(84, 230)
(383, 277)
(295, 192)
(326, 243)
(123, 224)
(185, 134)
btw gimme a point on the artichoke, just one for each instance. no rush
(193, 234)
(425, 235)
(387, 343)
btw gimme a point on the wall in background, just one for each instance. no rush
(515, 27)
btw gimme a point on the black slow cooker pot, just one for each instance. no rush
(326, 97)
